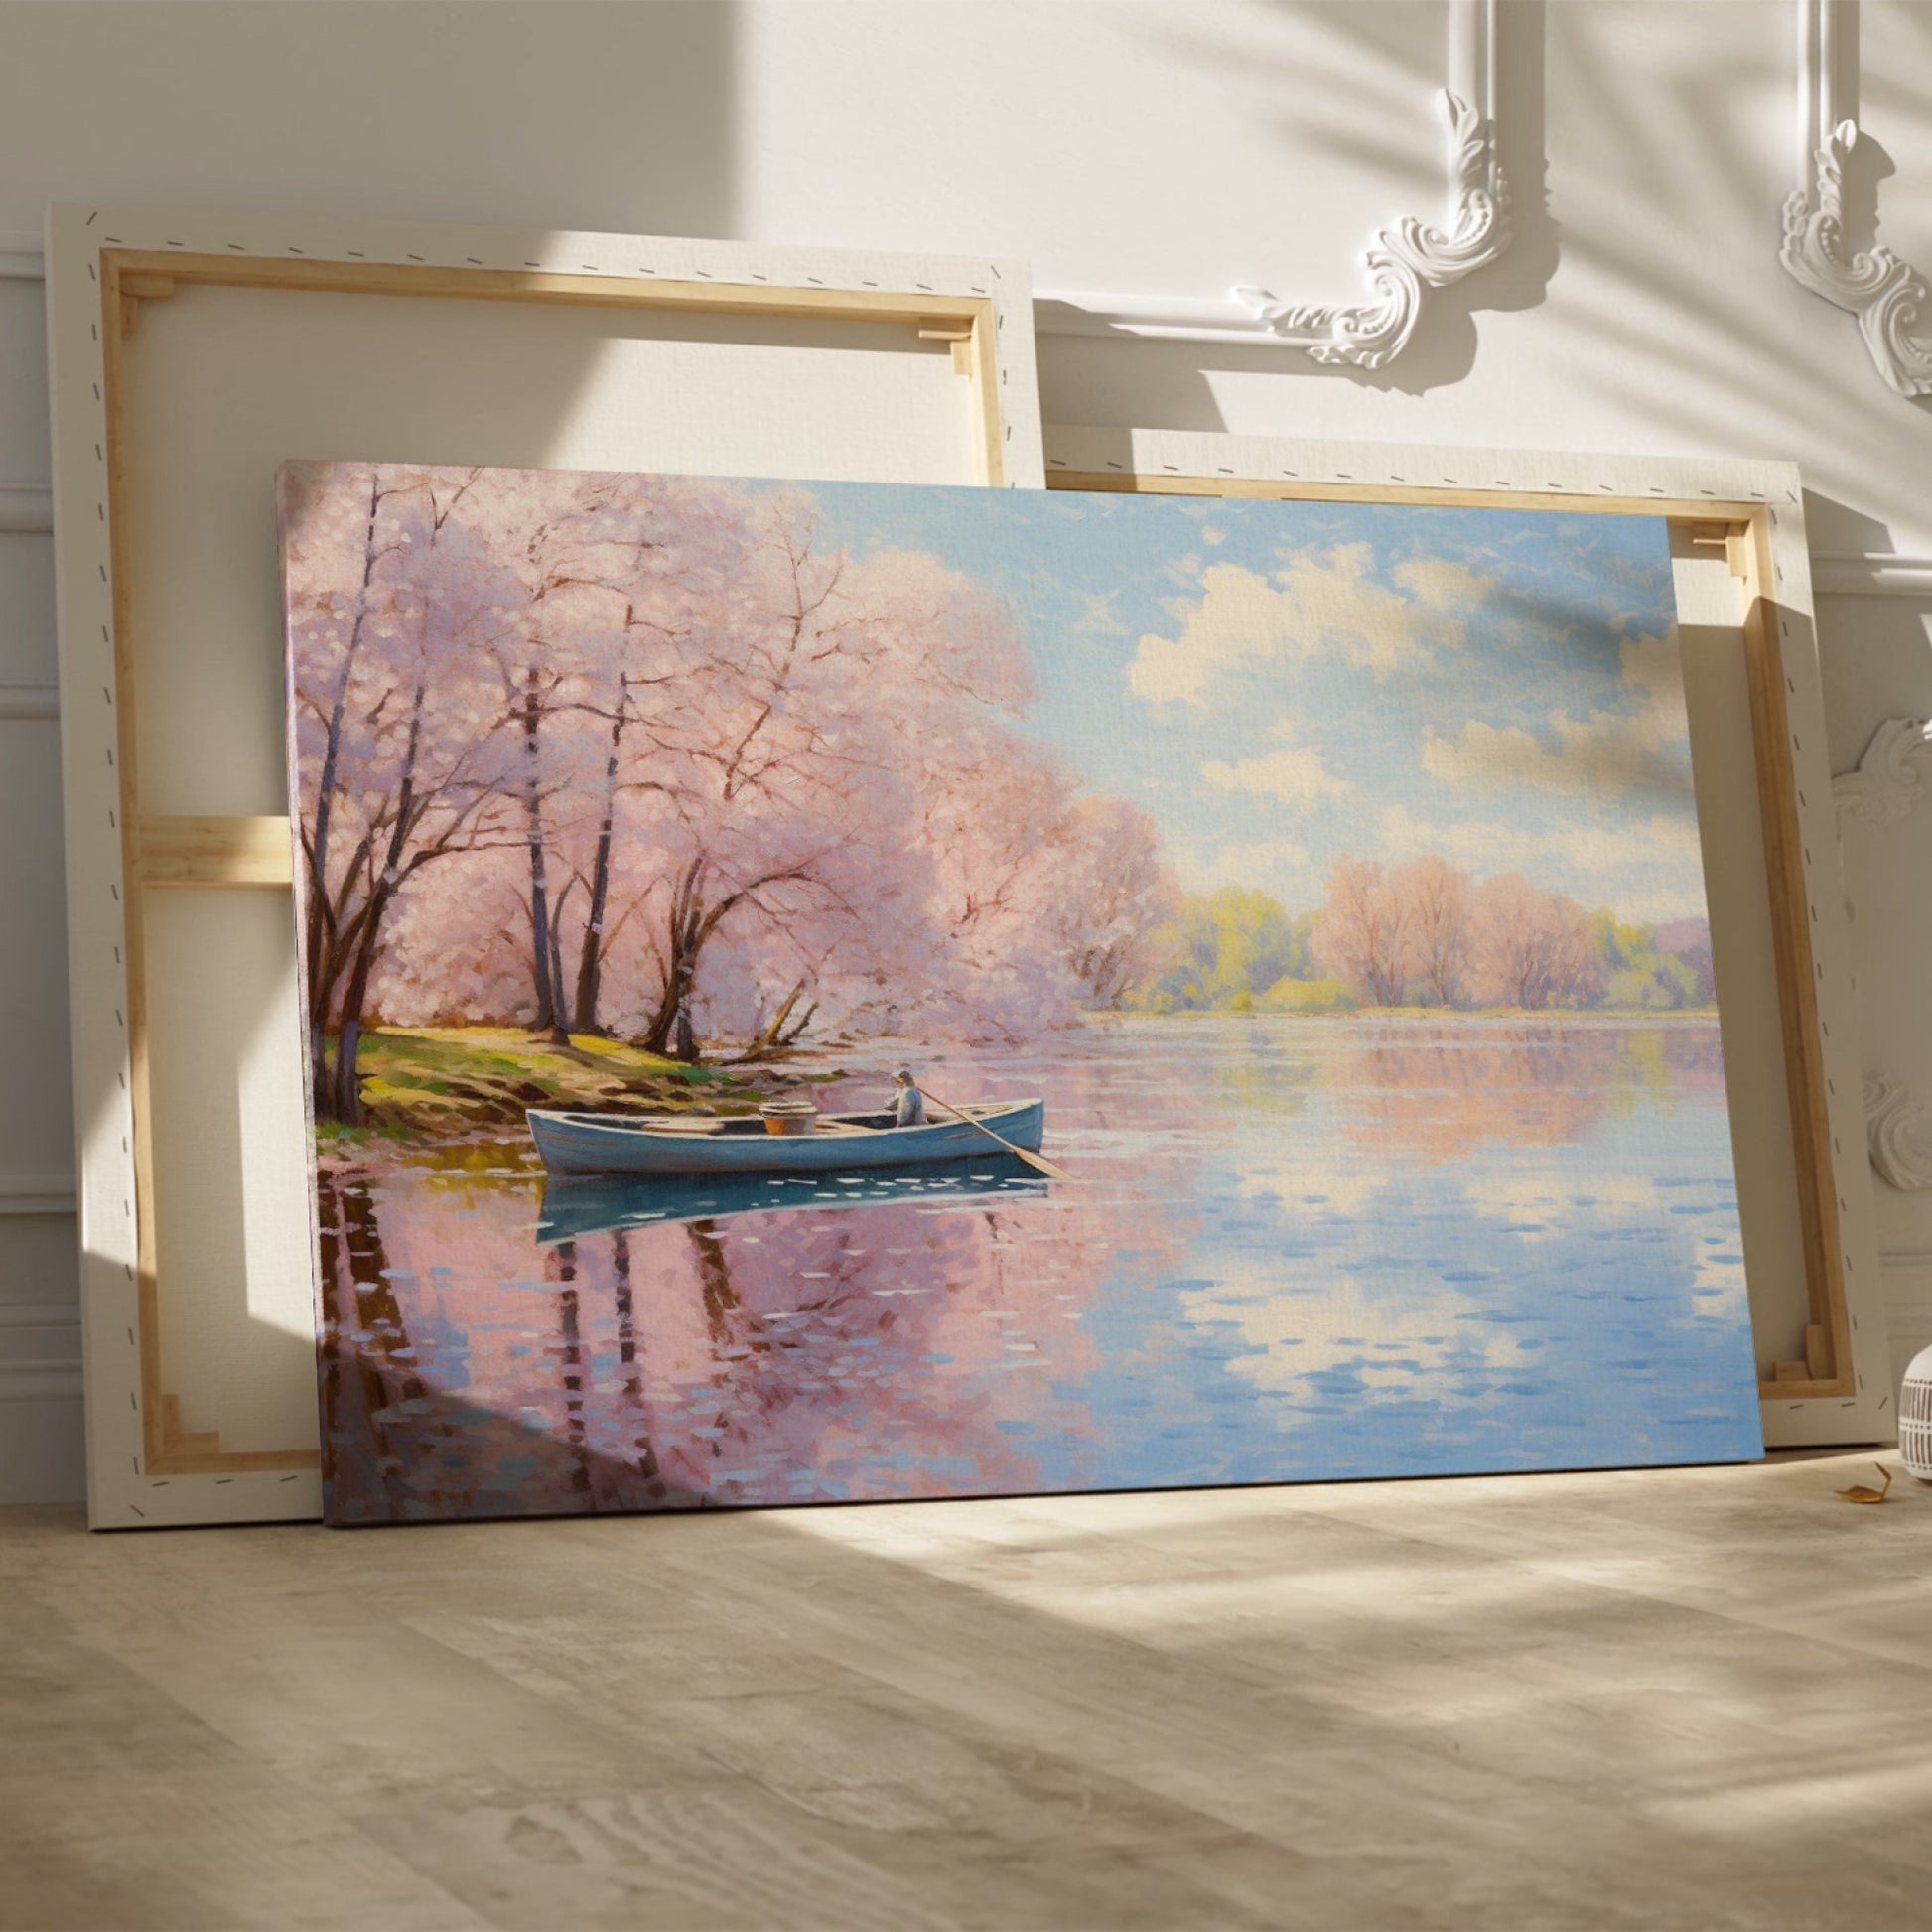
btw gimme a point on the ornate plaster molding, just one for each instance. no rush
(1886, 784)
(1887, 294)
(1898, 1131)
(1406, 262)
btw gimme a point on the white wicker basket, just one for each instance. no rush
(1915, 1417)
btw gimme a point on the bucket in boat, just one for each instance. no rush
(795, 1116)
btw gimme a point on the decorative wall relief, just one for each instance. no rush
(1886, 784)
(1887, 295)
(1883, 789)
(1408, 260)
(1404, 262)
(1898, 1129)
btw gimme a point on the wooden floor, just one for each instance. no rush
(1685, 1698)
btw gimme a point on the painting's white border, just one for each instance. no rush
(1887, 295)
(1406, 261)
(121, 1493)
(1866, 1415)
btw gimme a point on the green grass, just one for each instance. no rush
(448, 1077)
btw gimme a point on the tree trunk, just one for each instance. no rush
(776, 1037)
(362, 1381)
(691, 923)
(557, 967)
(318, 919)
(590, 963)
(345, 1085)
(670, 1032)
(549, 1017)
(721, 1301)
(344, 1089)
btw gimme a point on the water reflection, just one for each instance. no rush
(592, 1204)
(1437, 1088)
(1289, 1249)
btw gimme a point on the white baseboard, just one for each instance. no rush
(43, 1457)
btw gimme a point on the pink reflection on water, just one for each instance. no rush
(1435, 1089)
(901, 1349)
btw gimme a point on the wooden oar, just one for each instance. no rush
(1039, 1160)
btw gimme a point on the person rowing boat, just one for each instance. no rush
(909, 1110)
(909, 1103)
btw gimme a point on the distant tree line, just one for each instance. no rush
(1422, 934)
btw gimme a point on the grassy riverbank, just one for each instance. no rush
(470, 1076)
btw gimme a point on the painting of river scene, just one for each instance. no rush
(843, 992)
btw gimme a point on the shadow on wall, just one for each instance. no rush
(1716, 345)
(1350, 117)
(616, 119)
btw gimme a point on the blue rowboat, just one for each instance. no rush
(715, 1144)
(584, 1205)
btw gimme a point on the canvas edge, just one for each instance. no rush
(1457, 473)
(297, 898)
(120, 1493)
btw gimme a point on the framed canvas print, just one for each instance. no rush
(827, 992)
(193, 351)
(1754, 705)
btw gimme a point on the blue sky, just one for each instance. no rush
(1278, 684)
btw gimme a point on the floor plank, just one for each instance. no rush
(1631, 1699)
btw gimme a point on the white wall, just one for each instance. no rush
(1175, 145)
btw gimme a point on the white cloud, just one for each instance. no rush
(1338, 605)
(1231, 625)
(1604, 753)
(1278, 865)
(1293, 773)
(1660, 843)
(1478, 845)
(1318, 604)
(1442, 582)
(1646, 868)
(1487, 757)
(1098, 618)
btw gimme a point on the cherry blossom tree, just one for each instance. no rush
(688, 775)
(396, 743)
(1436, 898)
(1363, 934)
(1116, 896)
(1537, 948)
(620, 577)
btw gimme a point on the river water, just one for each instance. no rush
(1290, 1249)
